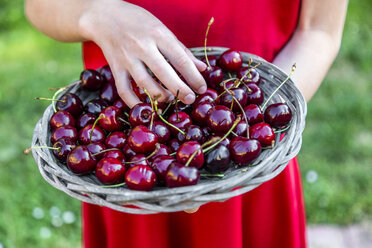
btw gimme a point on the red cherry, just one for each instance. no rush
(174, 144)
(263, 133)
(241, 129)
(80, 161)
(85, 133)
(181, 120)
(110, 171)
(140, 114)
(140, 177)
(95, 106)
(192, 132)
(252, 77)
(244, 150)
(230, 60)
(160, 166)
(239, 94)
(91, 80)
(95, 149)
(200, 112)
(65, 146)
(109, 92)
(116, 154)
(220, 119)
(186, 150)
(254, 93)
(128, 152)
(224, 142)
(84, 120)
(116, 140)
(138, 91)
(64, 132)
(218, 160)
(109, 119)
(70, 103)
(212, 59)
(179, 175)
(138, 159)
(278, 114)
(120, 104)
(163, 150)
(107, 73)
(162, 131)
(142, 140)
(213, 76)
(61, 118)
(254, 114)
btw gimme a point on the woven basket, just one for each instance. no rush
(236, 181)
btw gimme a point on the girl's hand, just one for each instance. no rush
(132, 39)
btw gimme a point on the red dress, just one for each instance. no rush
(271, 215)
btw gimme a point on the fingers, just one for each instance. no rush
(125, 89)
(165, 73)
(184, 64)
(192, 210)
(199, 64)
(145, 81)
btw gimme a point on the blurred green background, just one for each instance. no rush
(336, 158)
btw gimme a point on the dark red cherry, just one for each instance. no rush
(225, 142)
(85, 133)
(212, 59)
(142, 140)
(116, 154)
(218, 160)
(70, 103)
(252, 77)
(181, 120)
(213, 76)
(254, 93)
(230, 60)
(213, 94)
(239, 94)
(199, 114)
(140, 177)
(64, 132)
(174, 144)
(61, 118)
(192, 132)
(65, 146)
(109, 119)
(163, 150)
(140, 114)
(244, 150)
(95, 106)
(91, 80)
(80, 161)
(179, 175)
(109, 93)
(226, 85)
(84, 120)
(120, 104)
(162, 131)
(181, 107)
(241, 129)
(203, 98)
(254, 114)
(278, 114)
(116, 140)
(220, 119)
(110, 171)
(138, 91)
(263, 133)
(160, 166)
(95, 149)
(107, 73)
(128, 152)
(138, 159)
(186, 150)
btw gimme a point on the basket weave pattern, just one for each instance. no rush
(161, 199)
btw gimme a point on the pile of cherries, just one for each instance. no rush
(166, 144)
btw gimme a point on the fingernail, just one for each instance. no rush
(202, 89)
(171, 98)
(190, 98)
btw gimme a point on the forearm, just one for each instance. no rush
(315, 43)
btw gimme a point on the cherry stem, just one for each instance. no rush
(94, 125)
(165, 121)
(272, 94)
(224, 137)
(248, 72)
(64, 87)
(124, 121)
(149, 156)
(244, 115)
(224, 83)
(233, 133)
(178, 91)
(106, 150)
(200, 149)
(230, 76)
(126, 114)
(152, 108)
(205, 41)
(55, 96)
(212, 175)
(168, 106)
(113, 186)
(28, 150)
(282, 130)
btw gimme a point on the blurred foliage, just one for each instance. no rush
(336, 158)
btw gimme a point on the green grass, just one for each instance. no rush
(337, 141)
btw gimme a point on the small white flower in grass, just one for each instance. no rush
(57, 221)
(38, 213)
(45, 232)
(311, 176)
(68, 217)
(55, 211)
